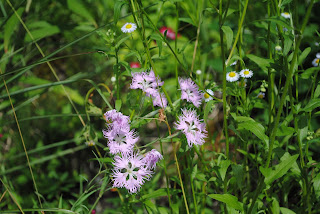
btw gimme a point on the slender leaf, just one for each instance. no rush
(229, 200)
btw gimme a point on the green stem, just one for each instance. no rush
(224, 83)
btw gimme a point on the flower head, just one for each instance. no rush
(130, 172)
(261, 95)
(148, 82)
(232, 76)
(129, 28)
(135, 65)
(120, 141)
(192, 127)
(190, 91)
(278, 48)
(316, 61)
(208, 95)
(117, 120)
(198, 72)
(159, 99)
(286, 15)
(152, 158)
(170, 33)
(246, 73)
(120, 137)
(113, 79)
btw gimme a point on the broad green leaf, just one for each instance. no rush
(194, 172)
(155, 194)
(257, 129)
(303, 133)
(163, 210)
(187, 20)
(149, 204)
(286, 211)
(261, 62)
(117, 9)
(229, 35)
(316, 185)
(308, 73)
(10, 26)
(275, 206)
(303, 55)
(78, 8)
(287, 45)
(41, 30)
(224, 165)
(279, 170)
(317, 92)
(122, 40)
(118, 105)
(314, 103)
(284, 130)
(229, 200)
(279, 21)
(207, 110)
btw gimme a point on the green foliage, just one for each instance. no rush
(63, 64)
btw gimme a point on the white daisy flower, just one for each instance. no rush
(246, 73)
(198, 72)
(208, 95)
(286, 15)
(278, 48)
(318, 55)
(261, 95)
(316, 62)
(113, 79)
(129, 28)
(232, 76)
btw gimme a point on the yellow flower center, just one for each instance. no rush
(206, 95)
(246, 72)
(286, 13)
(232, 74)
(129, 26)
(260, 96)
(317, 61)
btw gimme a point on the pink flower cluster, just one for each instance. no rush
(130, 168)
(190, 91)
(149, 83)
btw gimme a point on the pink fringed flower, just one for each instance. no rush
(192, 127)
(117, 120)
(160, 100)
(150, 84)
(146, 81)
(120, 141)
(120, 138)
(152, 158)
(130, 172)
(190, 91)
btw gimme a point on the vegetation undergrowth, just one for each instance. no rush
(131, 106)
